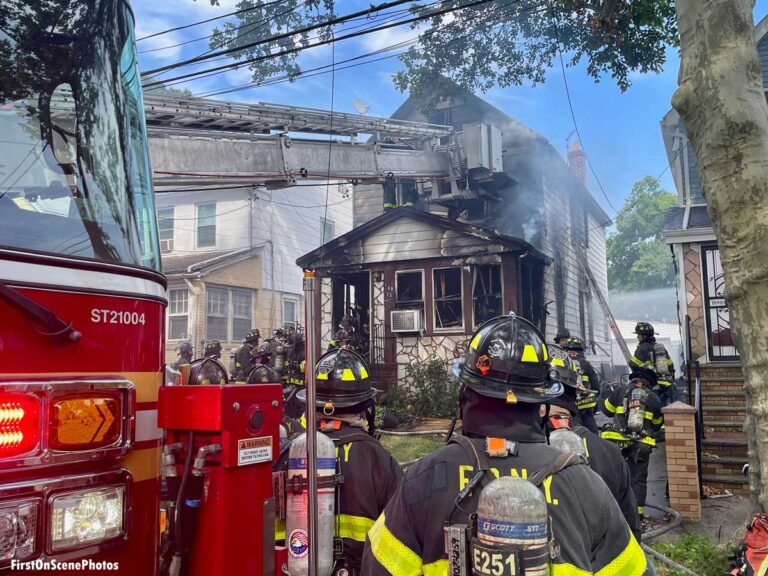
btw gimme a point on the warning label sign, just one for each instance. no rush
(254, 450)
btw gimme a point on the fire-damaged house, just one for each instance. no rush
(429, 260)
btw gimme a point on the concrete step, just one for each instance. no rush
(720, 413)
(722, 466)
(714, 479)
(723, 425)
(725, 445)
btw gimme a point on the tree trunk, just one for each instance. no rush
(721, 102)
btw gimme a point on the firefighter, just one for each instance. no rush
(184, 351)
(654, 356)
(344, 334)
(244, 361)
(346, 412)
(504, 380)
(207, 371)
(213, 350)
(637, 420)
(562, 337)
(586, 400)
(603, 456)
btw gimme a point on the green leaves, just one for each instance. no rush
(500, 43)
(638, 257)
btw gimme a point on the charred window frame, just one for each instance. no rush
(409, 289)
(447, 292)
(487, 292)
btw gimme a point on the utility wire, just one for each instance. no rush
(185, 26)
(276, 37)
(317, 71)
(573, 113)
(252, 26)
(330, 41)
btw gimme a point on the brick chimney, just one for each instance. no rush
(578, 162)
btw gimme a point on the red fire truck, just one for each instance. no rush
(82, 299)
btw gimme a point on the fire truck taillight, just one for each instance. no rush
(86, 517)
(19, 424)
(84, 422)
(18, 529)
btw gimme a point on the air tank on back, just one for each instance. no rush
(297, 509)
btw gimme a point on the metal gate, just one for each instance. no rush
(720, 344)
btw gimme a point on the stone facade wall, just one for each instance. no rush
(414, 350)
(695, 300)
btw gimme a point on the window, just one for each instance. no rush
(409, 289)
(206, 225)
(178, 314)
(447, 298)
(241, 314)
(290, 312)
(228, 314)
(486, 292)
(165, 224)
(216, 314)
(327, 230)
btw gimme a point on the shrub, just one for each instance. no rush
(428, 390)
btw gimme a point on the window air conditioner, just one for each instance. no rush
(166, 245)
(406, 320)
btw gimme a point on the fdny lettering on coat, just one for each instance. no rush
(466, 472)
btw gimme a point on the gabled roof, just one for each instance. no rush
(311, 259)
(199, 263)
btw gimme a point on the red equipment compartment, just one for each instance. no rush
(235, 528)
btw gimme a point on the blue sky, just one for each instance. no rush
(620, 131)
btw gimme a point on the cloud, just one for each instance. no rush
(389, 37)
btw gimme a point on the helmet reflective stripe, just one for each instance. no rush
(347, 374)
(529, 354)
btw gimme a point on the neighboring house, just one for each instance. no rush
(230, 254)
(688, 229)
(522, 192)
(424, 281)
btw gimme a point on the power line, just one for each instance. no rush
(573, 113)
(177, 28)
(330, 41)
(257, 24)
(282, 36)
(323, 69)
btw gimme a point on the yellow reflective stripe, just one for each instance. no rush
(649, 415)
(648, 440)
(279, 529)
(619, 409)
(584, 378)
(544, 352)
(613, 435)
(568, 570)
(392, 554)
(641, 510)
(587, 405)
(347, 374)
(436, 568)
(665, 383)
(363, 373)
(475, 342)
(610, 407)
(631, 561)
(529, 354)
(353, 527)
(658, 420)
(303, 421)
(322, 376)
(636, 361)
(558, 362)
(669, 361)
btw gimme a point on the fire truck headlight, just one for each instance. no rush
(86, 517)
(18, 529)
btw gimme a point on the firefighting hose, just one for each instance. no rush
(175, 568)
